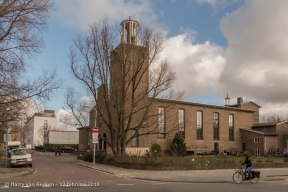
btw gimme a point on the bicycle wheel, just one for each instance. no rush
(237, 177)
(254, 180)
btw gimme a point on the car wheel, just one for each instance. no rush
(30, 165)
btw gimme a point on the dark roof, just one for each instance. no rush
(270, 124)
(259, 132)
(205, 105)
(87, 127)
(238, 105)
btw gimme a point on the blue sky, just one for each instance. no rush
(214, 46)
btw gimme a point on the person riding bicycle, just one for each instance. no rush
(249, 166)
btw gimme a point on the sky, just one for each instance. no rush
(239, 47)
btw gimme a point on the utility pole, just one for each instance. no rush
(7, 130)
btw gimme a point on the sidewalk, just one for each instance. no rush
(188, 176)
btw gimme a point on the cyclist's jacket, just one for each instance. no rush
(247, 162)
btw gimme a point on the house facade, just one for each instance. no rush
(37, 126)
(266, 138)
(231, 128)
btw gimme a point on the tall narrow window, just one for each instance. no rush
(181, 122)
(199, 125)
(135, 140)
(161, 122)
(45, 125)
(231, 127)
(216, 125)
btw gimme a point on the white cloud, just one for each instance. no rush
(60, 125)
(257, 53)
(78, 14)
(197, 66)
(254, 64)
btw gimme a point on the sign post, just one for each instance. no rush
(94, 141)
(7, 129)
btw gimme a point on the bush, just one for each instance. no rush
(285, 159)
(178, 145)
(100, 157)
(156, 150)
(88, 157)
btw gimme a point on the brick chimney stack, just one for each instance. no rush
(239, 100)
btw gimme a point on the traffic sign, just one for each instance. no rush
(95, 129)
(95, 138)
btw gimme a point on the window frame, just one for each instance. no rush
(181, 122)
(216, 130)
(256, 139)
(199, 125)
(161, 123)
(231, 127)
(135, 139)
(256, 152)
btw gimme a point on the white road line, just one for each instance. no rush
(125, 184)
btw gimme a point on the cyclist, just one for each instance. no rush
(249, 166)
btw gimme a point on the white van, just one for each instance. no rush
(20, 156)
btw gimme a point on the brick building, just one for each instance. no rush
(232, 128)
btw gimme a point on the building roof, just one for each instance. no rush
(259, 132)
(205, 105)
(62, 131)
(87, 127)
(239, 105)
(270, 124)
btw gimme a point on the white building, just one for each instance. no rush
(39, 125)
(62, 137)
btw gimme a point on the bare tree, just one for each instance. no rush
(77, 111)
(21, 25)
(273, 118)
(137, 79)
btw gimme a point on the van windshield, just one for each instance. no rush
(19, 152)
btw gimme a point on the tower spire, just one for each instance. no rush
(129, 31)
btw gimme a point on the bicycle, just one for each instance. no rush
(239, 176)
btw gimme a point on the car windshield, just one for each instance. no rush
(19, 152)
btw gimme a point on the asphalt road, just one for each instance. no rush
(52, 174)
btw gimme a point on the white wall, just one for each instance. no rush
(34, 129)
(39, 128)
(64, 137)
(29, 133)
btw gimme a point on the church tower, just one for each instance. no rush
(129, 73)
(129, 67)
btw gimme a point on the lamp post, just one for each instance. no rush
(7, 130)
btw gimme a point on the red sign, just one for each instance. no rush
(95, 129)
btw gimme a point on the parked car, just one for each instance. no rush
(20, 156)
(66, 149)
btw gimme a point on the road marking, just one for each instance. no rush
(125, 184)
(159, 183)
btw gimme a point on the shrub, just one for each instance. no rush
(285, 159)
(178, 145)
(156, 150)
(99, 157)
(88, 157)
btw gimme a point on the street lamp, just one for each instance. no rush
(7, 130)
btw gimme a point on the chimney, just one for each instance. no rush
(239, 100)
